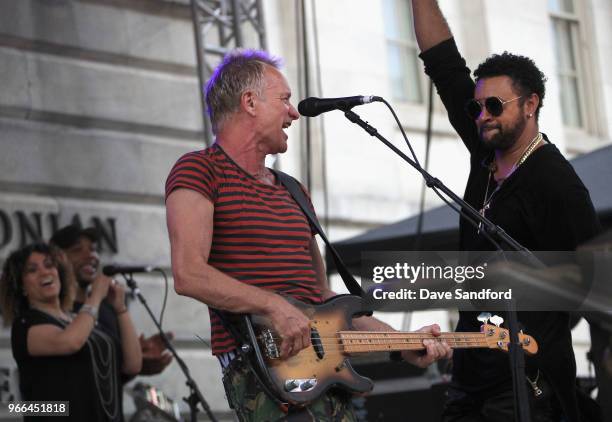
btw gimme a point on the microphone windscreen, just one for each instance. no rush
(109, 270)
(308, 107)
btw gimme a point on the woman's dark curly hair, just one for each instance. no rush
(526, 78)
(12, 299)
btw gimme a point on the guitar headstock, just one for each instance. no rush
(498, 338)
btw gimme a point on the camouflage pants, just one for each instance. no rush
(251, 404)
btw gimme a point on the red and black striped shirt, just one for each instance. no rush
(260, 235)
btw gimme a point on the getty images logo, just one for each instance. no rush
(412, 273)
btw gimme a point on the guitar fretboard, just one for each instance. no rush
(368, 341)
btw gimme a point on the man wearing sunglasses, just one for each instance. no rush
(520, 181)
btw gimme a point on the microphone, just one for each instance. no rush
(311, 107)
(111, 270)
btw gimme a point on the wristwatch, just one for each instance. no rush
(91, 310)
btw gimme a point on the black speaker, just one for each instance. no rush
(401, 393)
(416, 405)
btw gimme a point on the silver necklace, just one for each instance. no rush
(105, 372)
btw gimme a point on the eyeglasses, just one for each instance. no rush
(494, 106)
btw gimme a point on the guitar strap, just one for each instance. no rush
(351, 284)
(246, 358)
(299, 197)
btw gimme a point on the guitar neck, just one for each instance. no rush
(382, 341)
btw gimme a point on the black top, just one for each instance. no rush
(109, 324)
(62, 378)
(544, 206)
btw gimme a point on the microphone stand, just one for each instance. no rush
(195, 395)
(516, 355)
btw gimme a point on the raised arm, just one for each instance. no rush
(190, 227)
(429, 24)
(130, 345)
(445, 66)
(51, 340)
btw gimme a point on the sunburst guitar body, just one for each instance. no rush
(304, 377)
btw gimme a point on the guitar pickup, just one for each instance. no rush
(315, 338)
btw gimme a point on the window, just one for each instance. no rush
(565, 33)
(402, 51)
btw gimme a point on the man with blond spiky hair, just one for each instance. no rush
(239, 241)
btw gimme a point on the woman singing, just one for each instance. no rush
(63, 356)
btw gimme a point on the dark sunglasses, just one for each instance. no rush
(494, 106)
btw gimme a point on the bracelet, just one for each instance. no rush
(89, 309)
(124, 310)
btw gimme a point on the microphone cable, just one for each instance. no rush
(165, 300)
(401, 128)
(467, 217)
(419, 230)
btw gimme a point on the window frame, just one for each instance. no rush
(411, 46)
(586, 73)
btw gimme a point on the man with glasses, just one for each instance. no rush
(520, 181)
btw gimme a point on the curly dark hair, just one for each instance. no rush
(12, 300)
(526, 78)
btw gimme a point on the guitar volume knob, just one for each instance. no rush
(291, 385)
(307, 385)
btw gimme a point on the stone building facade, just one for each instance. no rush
(98, 98)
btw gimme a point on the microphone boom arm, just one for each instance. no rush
(433, 182)
(517, 358)
(195, 395)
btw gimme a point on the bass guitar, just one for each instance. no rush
(302, 378)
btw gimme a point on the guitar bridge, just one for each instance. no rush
(269, 345)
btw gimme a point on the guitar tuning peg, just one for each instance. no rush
(497, 320)
(484, 317)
